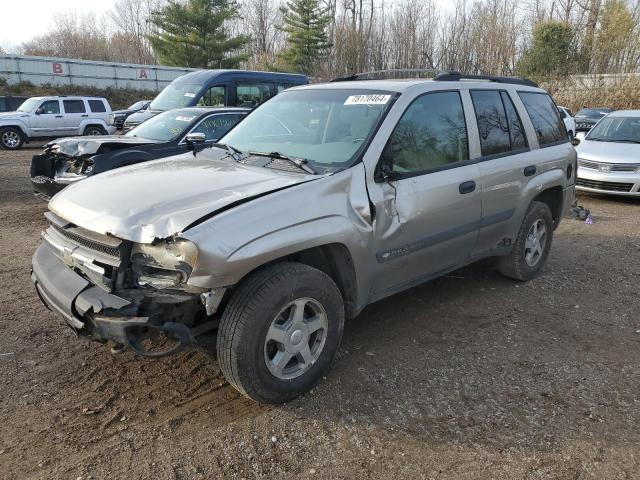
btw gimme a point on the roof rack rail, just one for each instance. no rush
(457, 76)
(392, 74)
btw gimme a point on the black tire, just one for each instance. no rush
(93, 130)
(517, 265)
(247, 318)
(11, 138)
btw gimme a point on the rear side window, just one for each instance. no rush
(97, 106)
(430, 135)
(545, 118)
(74, 106)
(498, 122)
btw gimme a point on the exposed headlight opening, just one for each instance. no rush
(165, 265)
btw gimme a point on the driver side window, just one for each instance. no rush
(431, 133)
(50, 107)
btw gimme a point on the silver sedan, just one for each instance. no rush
(609, 156)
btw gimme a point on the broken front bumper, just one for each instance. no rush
(95, 314)
(45, 187)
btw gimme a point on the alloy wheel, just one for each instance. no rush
(535, 243)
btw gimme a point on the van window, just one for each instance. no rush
(252, 95)
(431, 134)
(213, 97)
(544, 115)
(74, 106)
(283, 86)
(51, 107)
(3, 105)
(97, 106)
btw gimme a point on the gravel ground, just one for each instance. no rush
(469, 376)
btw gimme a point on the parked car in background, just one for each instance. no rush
(588, 117)
(54, 117)
(321, 201)
(11, 103)
(68, 160)
(569, 121)
(609, 156)
(217, 88)
(118, 117)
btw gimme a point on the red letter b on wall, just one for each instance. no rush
(57, 67)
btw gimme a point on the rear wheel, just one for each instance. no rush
(532, 244)
(94, 130)
(11, 138)
(280, 332)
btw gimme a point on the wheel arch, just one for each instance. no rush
(19, 126)
(553, 197)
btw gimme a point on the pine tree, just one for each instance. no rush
(305, 23)
(193, 34)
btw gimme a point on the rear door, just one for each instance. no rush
(49, 122)
(75, 111)
(506, 164)
(429, 211)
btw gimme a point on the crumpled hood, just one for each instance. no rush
(613, 152)
(160, 198)
(78, 146)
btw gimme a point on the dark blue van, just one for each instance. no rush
(218, 88)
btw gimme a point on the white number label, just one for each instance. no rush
(367, 100)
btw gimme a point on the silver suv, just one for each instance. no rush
(54, 117)
(323, 200)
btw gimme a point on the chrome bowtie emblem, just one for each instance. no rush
(605, 168)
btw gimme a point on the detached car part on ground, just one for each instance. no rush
(609, 156)
(323, 200)
(69, 160)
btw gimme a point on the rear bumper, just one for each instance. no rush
(97, 315)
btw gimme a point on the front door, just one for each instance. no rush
(48, 122)
(429, 210)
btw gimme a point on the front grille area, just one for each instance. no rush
(606, 186)
(615, 167)
(90, 240)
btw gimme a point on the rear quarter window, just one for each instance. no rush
(545, 118)
(97, 106)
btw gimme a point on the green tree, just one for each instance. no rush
(194, 34)
(305, 23)
(553, 51)
(614, 39)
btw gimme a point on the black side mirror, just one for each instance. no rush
(39, 111)
(575, 141)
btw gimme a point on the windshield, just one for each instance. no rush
(592, 113)
(137, 105)
(328, 128)
(29, 105)
(616, 129)
(176, 95)
(163, 127)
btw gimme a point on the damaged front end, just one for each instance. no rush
(108, 289)
(51, 171)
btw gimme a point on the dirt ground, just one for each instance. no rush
(469, 376)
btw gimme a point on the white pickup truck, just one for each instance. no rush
(52, 117)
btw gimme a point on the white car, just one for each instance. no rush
(569, 121)
(53, 117)
(609, 156)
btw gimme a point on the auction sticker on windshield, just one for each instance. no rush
(184, 119)
(367, 99)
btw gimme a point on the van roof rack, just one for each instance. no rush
(393, 74)
(457, 76)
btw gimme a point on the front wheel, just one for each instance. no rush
(280, 332)
(11, 138)
(94, 131)
(532, 244)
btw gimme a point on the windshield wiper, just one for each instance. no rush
(233, 151)
(301, 163)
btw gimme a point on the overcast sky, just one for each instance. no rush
(28, 18)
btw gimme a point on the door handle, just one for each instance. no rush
(58, 116)
(530, 170)
(85, 115)
(467, 187)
